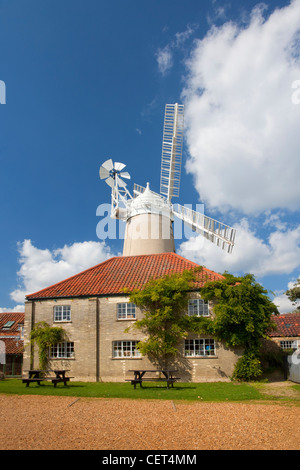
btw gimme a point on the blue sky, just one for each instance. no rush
(89, 80)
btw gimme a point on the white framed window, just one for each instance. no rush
(125, 349)
(62, 313)
(290, 344)
(198, 307)
(63, 350)
(126, 311)
(200, 347)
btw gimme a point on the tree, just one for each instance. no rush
(242, 317)
(294, 294)
(165, 322)
(45, 337)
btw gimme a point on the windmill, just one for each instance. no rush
(148, 215)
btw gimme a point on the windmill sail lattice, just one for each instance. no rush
(155, 211)
(172, 150)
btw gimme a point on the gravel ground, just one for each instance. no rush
(67, 423)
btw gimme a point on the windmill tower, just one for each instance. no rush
(149, 216)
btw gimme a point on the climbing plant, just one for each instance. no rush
(242, 317)
(46, 336)
(163, 302)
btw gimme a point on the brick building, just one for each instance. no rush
(12, 342)
(287, 333)
(93, 309)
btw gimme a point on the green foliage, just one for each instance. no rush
(248, 367)
(243, 316)
(243, 311)
(45, 337)
(165, 321)
(294, 294)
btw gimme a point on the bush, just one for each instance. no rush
(247, 368)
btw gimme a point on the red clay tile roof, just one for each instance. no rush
(13, 345)
(288, 324)
(112, 276)
(12, 336)
(17, 317)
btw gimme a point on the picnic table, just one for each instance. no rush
(165, 375)
(38, 376)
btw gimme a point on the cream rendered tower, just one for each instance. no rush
(149, 216)
(149, 225)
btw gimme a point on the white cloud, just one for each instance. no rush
(180, 38)
(280, 254)
(282, 301)
(42, 267)
(17, 308)
(242, 127)
(283, 304)
(165, 55)
(164, 59)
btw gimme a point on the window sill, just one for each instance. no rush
(62, 358)
(202, 357)
(126, 319)
(126, 358)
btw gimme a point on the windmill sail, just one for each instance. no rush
(147, 207)
(172, 150)
(217, 232)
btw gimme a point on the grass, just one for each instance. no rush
(216, 391)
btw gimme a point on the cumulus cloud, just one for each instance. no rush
(242, 126)
(279, 254)
(42, 267)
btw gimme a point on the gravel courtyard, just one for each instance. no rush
(67, 423)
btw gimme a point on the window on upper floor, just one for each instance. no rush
(126, 311)
(198, 307)
(62, 313)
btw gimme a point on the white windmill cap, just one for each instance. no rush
(149, 202)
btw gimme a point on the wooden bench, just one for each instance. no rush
(56, 380)
(154, 379)
(27, 381)
(139, 377)
(39, 376)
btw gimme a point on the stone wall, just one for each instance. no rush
(93, 329)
